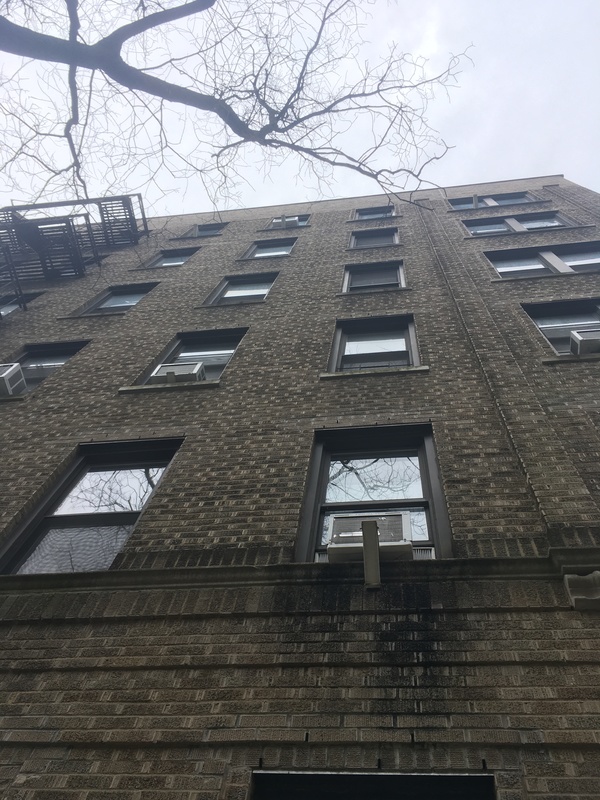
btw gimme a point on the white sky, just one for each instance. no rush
(528, 105)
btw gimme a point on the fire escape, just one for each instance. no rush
(48, 241)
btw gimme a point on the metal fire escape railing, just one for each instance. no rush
(44, 245)
(10, 286)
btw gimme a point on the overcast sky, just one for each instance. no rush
(528, 105)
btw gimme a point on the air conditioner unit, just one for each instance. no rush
(178, 373)
(584, 342)
(12, 380)
(347, 540)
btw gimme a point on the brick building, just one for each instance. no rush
(198, 413)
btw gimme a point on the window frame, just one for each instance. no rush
(358, 213)
(215, 298)
(514, 224)
(489, 200)
(251, 252)
(349, 269)
(563, 308)
(125, 454)
(370, 442)
(48, 348)
(393, 324)
(184, 252)
(192, 337)
(303, 222)
(365, 233)
(94, 307)
(549, 259)
(204, 230)
(11, 298)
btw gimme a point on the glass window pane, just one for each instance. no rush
(275, 250)
(462, 203)
(373, 238)
(489, 227)
(548, 222)
(520, 265)
(101, 491)
(77, 549)
(581, 259)
(377, 276)
(8, 307)
(563, 320)
(375, 213)
(243, 289)
(384, 478)
(507, 200)
(122, 299)
(374, 343)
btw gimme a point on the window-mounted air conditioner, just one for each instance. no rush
(12, 380)
(584, 342)
(178, 373)
(347, 540)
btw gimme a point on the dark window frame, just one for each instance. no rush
(30, 350)
(11, 298)
(216, 297)
(549, 259)
(490, 201)
(560, 341)
(373, 325)
(93, 307)
(173, 252)
(357, 785)
(126, 454)
(350, 269)
(204, 230)
(205, 337)
(366, 233)
(250, 253)
(372, 441)
(368, 213)
(287, 223)
(514, 224)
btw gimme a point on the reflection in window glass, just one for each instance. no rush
(124, 299)
(69, 549)
(109, 491)
(373, 343)
(363, 479)
(243, 289)
(543, 222)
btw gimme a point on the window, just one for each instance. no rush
(558, 322)
(372, 277)
(517, 224)
(380, 785)
(38, 361)
(213, 350)
(119, 298)
(374, 343)
(299, 221)
(89, 518)
(529, 262)
(10, 302)
(492, 200)
(172, 258)
(375, 237)
(242, 289)
(204, 231)
(385, 472)
(375, 212)
(271, 248)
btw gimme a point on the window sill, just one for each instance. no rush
(166, 387)
(374, 290)
(567, 358)
(279, 230)
(372, 247)
(154, 269)
(193, 238)
(95, 316)
(546, 276)
(524, 233)
(14, 398)
(357, 221)
(232, 305)
(255, 260)
(352, 373)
